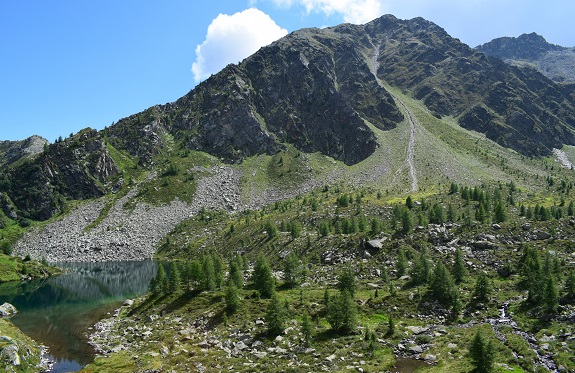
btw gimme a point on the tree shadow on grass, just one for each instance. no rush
(181, 301)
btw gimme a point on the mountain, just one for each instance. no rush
(553, 61)
(358, 95)
(14, 151)
(318, 89)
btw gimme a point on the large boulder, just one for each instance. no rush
(7, 310)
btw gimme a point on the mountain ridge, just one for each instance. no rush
(319, 90)
(553, 61)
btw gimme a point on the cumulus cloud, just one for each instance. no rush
(230, 39)
(352, 11)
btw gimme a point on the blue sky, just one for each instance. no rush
(70, 64)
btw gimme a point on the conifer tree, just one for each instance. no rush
(406, 221)
(307, 329)
(482, 353)
(409, 202)
(482, 289)
(401, 263)
(196, 274)
(232, 297)
(236, 276)
(209, 275)
(293, 269)
(442, 285)
(160, 282)
(174, 280)
(550, 295)
(342, 312)
(569, 288)
(421, 269)
(271, 229)
(458, 271)
(218, 270)
(346, 282)
(263, 278)
(276, 315)
(451, 214)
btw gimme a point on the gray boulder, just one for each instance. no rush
(10, 355)
(7, 310)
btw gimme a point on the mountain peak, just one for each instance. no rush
(554, 61)
(528, 47)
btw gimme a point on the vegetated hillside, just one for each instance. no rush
(361, 280)
(553, 61)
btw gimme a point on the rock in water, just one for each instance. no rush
(7, 310)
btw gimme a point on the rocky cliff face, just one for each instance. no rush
(553, 61)
(313, 89)
(76, 168)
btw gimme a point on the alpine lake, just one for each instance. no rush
(58, 312)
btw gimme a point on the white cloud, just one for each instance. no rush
(352, 11)
(232, 38)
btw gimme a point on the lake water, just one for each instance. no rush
(58, 311)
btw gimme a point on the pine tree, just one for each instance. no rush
(406, 221)
(293, 269)
(295, 229)
(459, 271)
(401, 263)
(409, 202)
(482, 353)
(442, 285)
(263, 278)
(218, 270)
(569, 288)
(500, 212)
(271, 229)
(160, 282)
(174, 281)
(451, 213)
(342, 313)
(232, 297)
(276, 315)
(420, 270)
(482, 289)
(375, 226)
(346, 282)
(236, 276)
(209, 275)
(196, 274)
(307, 329)
(550, 295)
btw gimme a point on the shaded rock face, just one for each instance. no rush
(73, 169)
(553, 61)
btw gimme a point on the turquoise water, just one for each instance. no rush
(58, 311)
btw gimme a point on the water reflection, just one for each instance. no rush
(58, 311)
